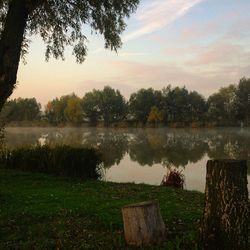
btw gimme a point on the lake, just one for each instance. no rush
(145, 155)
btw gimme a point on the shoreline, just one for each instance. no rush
(123, 126)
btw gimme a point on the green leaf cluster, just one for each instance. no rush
(63, 23)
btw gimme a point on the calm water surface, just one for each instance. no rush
(145, 155)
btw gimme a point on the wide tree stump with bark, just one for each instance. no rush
(143, 224)
(226, 212)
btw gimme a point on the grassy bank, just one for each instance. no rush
(45, 212)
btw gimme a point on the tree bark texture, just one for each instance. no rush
(226, 212)
(10, 47)
(143, 224)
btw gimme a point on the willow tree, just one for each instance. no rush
(60, 23)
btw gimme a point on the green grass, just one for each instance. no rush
(45, 212)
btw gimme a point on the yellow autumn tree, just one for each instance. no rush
(73, 110)
(155, 116)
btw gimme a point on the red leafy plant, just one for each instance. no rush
(174, 178)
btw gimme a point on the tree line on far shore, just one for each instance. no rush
(169, 106)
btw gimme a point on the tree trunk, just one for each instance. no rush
(226, 212)
(143, 224)
(10, 47)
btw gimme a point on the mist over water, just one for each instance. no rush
(145, 155)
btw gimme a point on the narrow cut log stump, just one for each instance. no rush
(143, 224)
(226, 212)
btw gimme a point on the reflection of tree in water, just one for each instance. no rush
(71, 137)
(175, 148)
(16, 138)
(35, 136)
(182, 149)
(111, 144)
(169, 147)
(230, 144)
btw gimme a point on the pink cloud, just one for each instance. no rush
(206, 80)
(158, 14)
(229, 22)
(221, 53)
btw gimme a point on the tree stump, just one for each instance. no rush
(143, 224)
(226, 212)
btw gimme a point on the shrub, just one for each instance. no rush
(59, 160)
(174, 178)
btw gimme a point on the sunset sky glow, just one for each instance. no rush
(202, 44)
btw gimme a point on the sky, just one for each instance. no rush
(201, 44)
